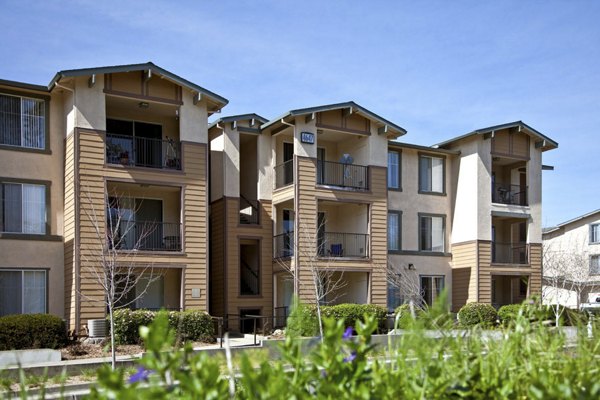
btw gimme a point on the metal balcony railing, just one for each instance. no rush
(343, 175)
(509, 194)
(249, 282)
(336, 244)
(509, 253)
(145, 235)
(284, 174)
(283, 244)
(143, 152)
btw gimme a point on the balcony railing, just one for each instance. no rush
(284, 245)
(143, 152)
(284, 174)
(336, 244)
(342, 175)
(249, 282)
(145, 235)
(249, 211)
(509, 253)
(509, 194)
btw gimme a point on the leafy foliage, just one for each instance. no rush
(472, 314)
(32, 331)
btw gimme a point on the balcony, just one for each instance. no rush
(509, 253)
(144, 235)
(143, 152)
(509, 194)
(284, 174)
(283, 245)
(343, 245)
(342, 175)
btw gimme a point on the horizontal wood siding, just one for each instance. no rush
(217, 258)
(464, 274)
(69, 234)
(306, 227)
(535, 279)
(485, 272)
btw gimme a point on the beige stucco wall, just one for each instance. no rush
(265, 166)
(90, 104)
(193, 120)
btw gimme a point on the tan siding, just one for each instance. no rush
(464, 274)
(69, 233)
(217, 252)
(485, 272)
(535, 279)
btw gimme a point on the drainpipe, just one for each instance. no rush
(76, 264)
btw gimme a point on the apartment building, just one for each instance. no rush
(244, 210)
(132, 138)
(572, 273)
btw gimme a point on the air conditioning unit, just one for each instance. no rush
(97, 328)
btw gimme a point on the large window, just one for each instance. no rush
(431, 174)
(22, 292)
(595, 264)
(394, 176)
(595, 233)
(22, 122)
(394, 230)
(431, 287)
(431, 233)
(22, 208)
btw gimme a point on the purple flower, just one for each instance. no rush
(348, 333)
(350, 358)
(140, 376)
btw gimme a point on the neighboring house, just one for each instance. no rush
(241, 206)
(572, 261)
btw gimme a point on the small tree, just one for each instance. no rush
(121, 279)
(326, 284)
(404, 279)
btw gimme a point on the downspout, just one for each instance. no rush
(296, 219)
(76, 264)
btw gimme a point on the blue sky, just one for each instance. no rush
(437, 68)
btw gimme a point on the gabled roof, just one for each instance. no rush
(338, 106)
(235, 118)
(138, 67)
(546, 145)
(576, 219)
(23, 85)
(400, 145)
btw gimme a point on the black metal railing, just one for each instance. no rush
(249, 211)
(337, 244)
(509, 253)
(509, 194)
(143, 152)
(283, 244)
(284, 174)
(145, 235)
(249, 282)
(342, 175)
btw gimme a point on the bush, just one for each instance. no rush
(509, 312)
(32, 331)
(351, 313)
(302, 321)
(406, 320)
(436, 317)
(473, 314)
(189, 325)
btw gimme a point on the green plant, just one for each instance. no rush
(508, 313)
(127, 324)
(480, 314)
(32, 331)
(193, 325)
(302, 320)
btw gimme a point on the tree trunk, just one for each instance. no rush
(112, 336)
(319, 319)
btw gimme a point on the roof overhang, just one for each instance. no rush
(542, 141)
(199, 91)
(254, 122)
(400, 145)
(383, 125)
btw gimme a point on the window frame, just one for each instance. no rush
(34, 96)
(429, 215)
(592, 226)
(597, 271)
(432, 156)
(399, 214)
(46, 288)
(33, 236)
(399, 170)
(432, 277)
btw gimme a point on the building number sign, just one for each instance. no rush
(307, 137)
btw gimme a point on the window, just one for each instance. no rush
(22, 122)
(22, 292)
(431, 174)
(393, 177)
(431, 233)
(595, 233)
(595, 264)
(394, 294)
(394, 231)
(22, 208)
(431, 287)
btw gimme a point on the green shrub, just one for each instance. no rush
(302, 320)
(352, 313)
(509, 312)
(406, 320)
(189, 325)
(32, 331)
(473, 314)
